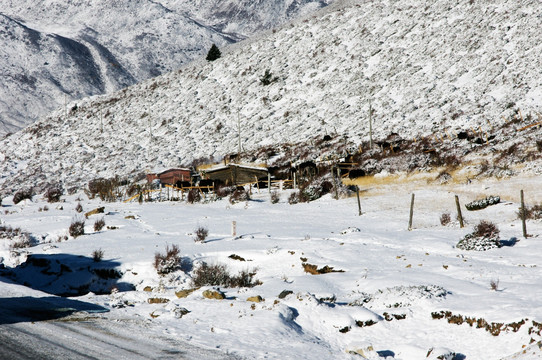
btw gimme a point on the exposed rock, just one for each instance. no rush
(214, 294)
(285, 293)
(184, 293)
(147, 289)
(157, 301)
(99, 210)
(256, 298)
(472, 242)
(483, 203)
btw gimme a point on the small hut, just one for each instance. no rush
(171, 176)
(235, 174)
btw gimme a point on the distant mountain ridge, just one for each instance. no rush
(424, 69)
(56, 51)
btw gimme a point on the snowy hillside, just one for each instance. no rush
(52, 51)
(426, 70)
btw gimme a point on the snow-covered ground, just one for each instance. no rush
(385, 302)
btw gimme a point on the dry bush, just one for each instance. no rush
(106, 189)
(99, 224)
(486, 229)
(53, 193)
(23, 194)
(494, 284)
(218, 275)
(200, 234)
(484, 237)
(534, 212)
(79, 208)
(97, 255)
(297, 197)
(445, 219)
(239, 195)
(223, 191)
(168, 262)
(77, 227)
(193, 196)
(275, 197)
(21, 239)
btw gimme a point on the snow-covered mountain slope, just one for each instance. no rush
(51, 51)
(426, 69)
(245, 17)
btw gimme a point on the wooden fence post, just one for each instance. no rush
(269, 182)
(336, 188)
(233, 228)
(411, 213)
(359, 202)
(459, 215)
(523, 215)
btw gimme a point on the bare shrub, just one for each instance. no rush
(168, 262)
(275, 197)
(99, 224)
(218, 275)
(533, 212)
(193, 196)
(223, 191)
(24, 194)
(445, 219)
(53, 193)
(97, 255)
(486, 229)
(294, 197)
(79, 208)
(484, 237)
(106, 189)
(77, 227)
(239, 195)
(494, 284)
(200, 234)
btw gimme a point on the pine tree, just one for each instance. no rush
(214, 53)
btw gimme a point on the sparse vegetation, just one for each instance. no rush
(239, 195)
(268, 78)
(23, 194)
(53, 193)
(79, 208)
(99, 224)
(275, 197)
(494, 284)
(484, 237)
(97, 255)
(168, 262)
(106, 189)
(218, 275)
(445, 219)
(533, 212)
(486, 229)
(200, 234)
(77, 227)
(193, 196)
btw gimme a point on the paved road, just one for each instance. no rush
(48, 328)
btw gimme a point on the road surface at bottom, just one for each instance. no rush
(43, 328)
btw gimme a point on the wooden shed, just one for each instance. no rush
(235, 174)
(171, 176)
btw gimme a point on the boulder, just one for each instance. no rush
(214, 294)
(99, 210)
(256, 299)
